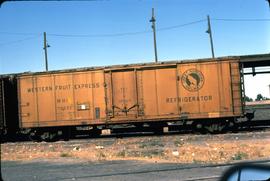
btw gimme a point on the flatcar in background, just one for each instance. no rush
(205, 93)
(262, 109)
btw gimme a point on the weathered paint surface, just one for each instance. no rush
(205, 89)
(164, 92)
(62, 99)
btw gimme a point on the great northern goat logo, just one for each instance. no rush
(192, 80)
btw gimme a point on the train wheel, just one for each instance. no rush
(158, 128)
(49, 136)
(139, 126)
(34, 136)
(217, 127)
(95, 132)
(3, 134)
(66, 134)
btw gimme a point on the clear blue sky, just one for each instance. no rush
(22, 25)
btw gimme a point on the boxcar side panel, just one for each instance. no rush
(176, 91)
(156, 88)
(205, 90)
(62, 99)
(45, 99)
(82, 96)
(98, 97)
(147, 91)
(166, 88)
(27, 92)
(138, 94)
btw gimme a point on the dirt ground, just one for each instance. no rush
(167, 148)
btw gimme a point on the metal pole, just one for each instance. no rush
(269, 90)
(239, 175)
(45, 51)
(209, 31)
(153, 20)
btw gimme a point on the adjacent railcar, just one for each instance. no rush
(206, 92)
(2, 109)
(9, 121)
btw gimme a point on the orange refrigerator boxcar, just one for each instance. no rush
(134, 93)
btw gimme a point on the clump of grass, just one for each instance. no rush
(100, 155)
(221, 153)
(178, 143)
(121, 153)
(151, 144)
(143, 145)
(152, 153)
(197, 161)
(243, 145)
(65, 155)
(144, 153)
(240, 156)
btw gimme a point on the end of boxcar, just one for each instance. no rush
(9, 125)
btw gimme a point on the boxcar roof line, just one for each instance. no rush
(249, 59)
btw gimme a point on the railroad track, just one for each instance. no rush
(122, 132)
(244, 133)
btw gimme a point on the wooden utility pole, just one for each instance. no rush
(153, 21)
(209, 31)
(45, 51)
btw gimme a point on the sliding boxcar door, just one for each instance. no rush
(122, 100)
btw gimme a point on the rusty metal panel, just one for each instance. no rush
(62, 99)
(205, 89)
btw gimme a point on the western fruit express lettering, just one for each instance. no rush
(63, 87)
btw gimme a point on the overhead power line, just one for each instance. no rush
(98, 35)
(182, 25)
(122, 33)
(133, 33)
(20, 34)
(91, 35)
(2, 1)
(19, 41)
(231, 19)
(126, 33)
